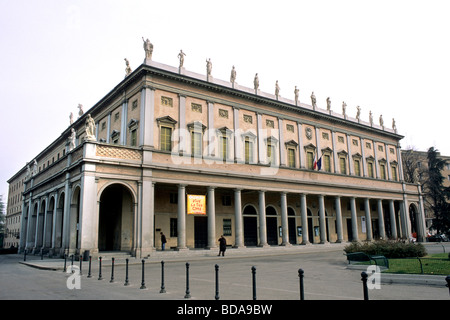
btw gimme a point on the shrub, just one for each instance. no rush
(387, 248)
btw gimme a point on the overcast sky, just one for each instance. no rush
(389, 57)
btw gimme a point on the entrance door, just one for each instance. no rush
(250, 231)
(292, 231)
(272, 231)
(200, 232)
(116, 219)
(349, 230)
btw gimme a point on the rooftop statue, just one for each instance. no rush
(127, 69)
(328, 104)
(381, 121)
(370, 118)
(296, 91)
(71, 118)
(208, 67)
(233, 75)
(148, 48)
(358, 113)
(313, 100)
(277, 90)
(181, 56)
(80, 112)
(344, 108)
(90, 128)
(256, 82)
(72, 139)
(394, 126)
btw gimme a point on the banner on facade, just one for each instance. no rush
(196, 204)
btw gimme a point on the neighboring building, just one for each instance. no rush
(415, 165)
(164, 133)
(14, 210)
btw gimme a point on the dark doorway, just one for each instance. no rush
(200, 232)
(292, 226)
(310, 227)
(250, 231)
(271, 226)
(349, 230)
(115, 228)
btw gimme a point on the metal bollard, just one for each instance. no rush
(126, 273)
(112, 270)
(364, 280)
(447, 278)
(100, 268)
(71, 264)
(302, 291)
(42, 254)
(163, 288)
(254, 282)
(217, 282)
(89, 270)
(65, 263)
(188, 293)
(25, 255)
(143, 282)
(81, 265)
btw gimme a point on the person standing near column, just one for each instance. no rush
(163, 241)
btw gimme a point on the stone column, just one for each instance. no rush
(354, 219)
(181, 221)
(337, 202)
(262, 219)
(284, 221)
(182, 131)
(381, 219)
(147, 111)
(322, 220)
(238, 219)
(281, 147)
(123, 126)
(211, 218)
(147, 217)
(392, 218)
(368, 220)
(89, 211)
(55, 220)
(37, 236)
(304, 214)
(301, 152)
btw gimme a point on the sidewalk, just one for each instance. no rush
(186, 255)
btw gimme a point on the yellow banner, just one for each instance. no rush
(196, 204)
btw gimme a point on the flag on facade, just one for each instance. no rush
(318, 164)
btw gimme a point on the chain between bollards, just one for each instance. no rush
(302, 291)
(254, 282)
(188, 293)
(163, 288)
(365, 290)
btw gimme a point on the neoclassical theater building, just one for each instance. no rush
(194, 157)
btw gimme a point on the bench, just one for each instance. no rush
(357, 257)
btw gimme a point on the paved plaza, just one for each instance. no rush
(326, 277)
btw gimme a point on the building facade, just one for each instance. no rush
(272, 171)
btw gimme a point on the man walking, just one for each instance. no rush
(163, 241)
(222, 246)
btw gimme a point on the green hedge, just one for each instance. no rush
(387, 248)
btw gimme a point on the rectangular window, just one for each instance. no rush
(133, 138)
(227, 227)
(173, 198)
(342, 165)
(370, 169)
(394, 173)
(382, 172)
(173, 227)
(310, 160)
(226, 200)
(327, 163)
(166, 139)
(196, 143)
(291, 158)
(224, 147)
(357, 167)
(270, 153)
(248, 151)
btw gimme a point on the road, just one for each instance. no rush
(326, 277)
